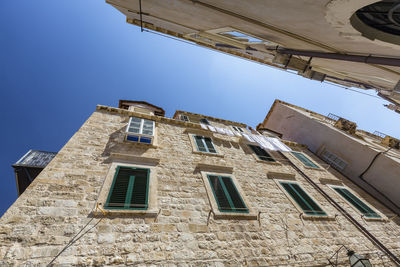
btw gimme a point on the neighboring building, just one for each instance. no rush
(347, 42)
(371, 160)
(29, 166)
(133, 187)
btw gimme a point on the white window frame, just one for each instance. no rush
(140, 134)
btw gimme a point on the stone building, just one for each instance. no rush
(352, 43)
(133, 187)
(372, 160)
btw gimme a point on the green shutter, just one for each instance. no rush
(227, 196)
(210, 145)
(306, 161)
(356, 202)
(261, 153)
(204, 144)
(129, 189)
(302, 199)
(199, 142)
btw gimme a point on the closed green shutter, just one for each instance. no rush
(261, 153)
(129, 189)
(306, 161)
(356, 202)
(302, 199)
(227, 196)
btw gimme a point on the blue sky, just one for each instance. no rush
(59, 59)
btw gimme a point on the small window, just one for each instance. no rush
(261, 153)
(237, 129)
(334, 160)
(226, 195)
(241, 37)
(204, 144)
(140, 130)
(305, 160)
(356, 202)
(183, 117)
(129, 189)
(305, 202)
(205, 121)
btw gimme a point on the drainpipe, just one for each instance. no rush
(362, 229)
(389, 61)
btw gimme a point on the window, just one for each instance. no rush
(261, 153)
(303, 200)
(226, 195)
(205, 121)
(129, 189)
(237, 129)
(184, 117)
(241, 37)
(140, 130)
(356, 202)
(334, 160)
(204, 144)
(305, 160)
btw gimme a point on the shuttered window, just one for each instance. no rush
(184, 117)
(261, 153)
(302, 199)
(129, 189)
(227, 196)
(204, 144)
(205, 121)
(306, 161)
(356, 202)
(140, 130)
(237, 129)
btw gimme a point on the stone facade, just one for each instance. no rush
(55, 221)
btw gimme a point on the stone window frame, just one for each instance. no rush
(251, 215)
(382, 216)
(152, 209)
(290, 178)
(320, 168)
(194, 146)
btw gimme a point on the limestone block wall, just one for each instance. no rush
(53, 221)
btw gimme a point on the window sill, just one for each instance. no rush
(314, 168)
(152, 145)
(151, 213)
(374, 219)
(269, 162)
(208, 154)
(235, 216)
(318, 217)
